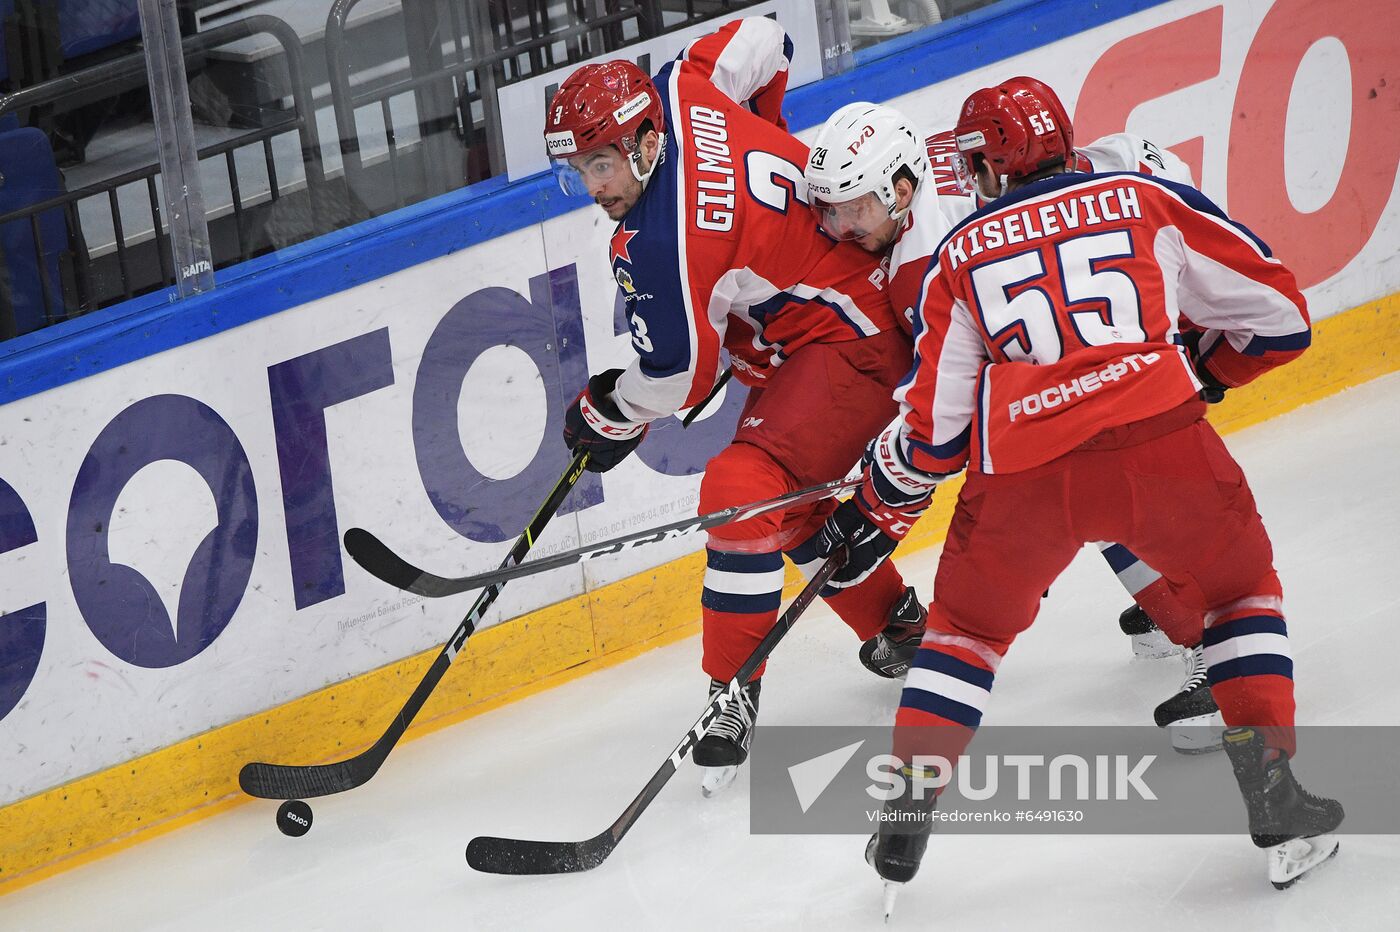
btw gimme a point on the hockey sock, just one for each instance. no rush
(945, 693)
(1180, 623)
(744, 562)
(743, 592)
(1250, 668)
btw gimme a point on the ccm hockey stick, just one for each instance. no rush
(494, 855)
(289, 781)
(376, 557)
(285, 781)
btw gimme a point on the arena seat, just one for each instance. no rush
(30, 285)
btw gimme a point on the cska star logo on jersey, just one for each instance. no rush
(620, 239)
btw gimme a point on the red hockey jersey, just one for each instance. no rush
(938, 207)
(721, 250)
(1055, 313)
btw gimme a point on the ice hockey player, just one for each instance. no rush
(1048, 365)
(873, 178)
(715, 250)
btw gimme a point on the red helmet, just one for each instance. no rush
(1019, 126)
(600, 105)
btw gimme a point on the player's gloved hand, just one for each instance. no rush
(1212, 389)
(873, 522)
(870, 532)
(594, 423)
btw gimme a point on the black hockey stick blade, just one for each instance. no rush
(287, 781)
(305, 781)
(494, 855)
(421, 582)
(381, 562)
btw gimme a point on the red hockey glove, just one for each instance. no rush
(594, 423)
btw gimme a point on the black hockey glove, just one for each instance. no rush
(870, 534)
(873, 521)
(1212, 389)
(594, 423)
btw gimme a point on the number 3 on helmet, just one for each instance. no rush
(608, 104)
(1020, 127)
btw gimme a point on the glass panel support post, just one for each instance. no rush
(179, 154)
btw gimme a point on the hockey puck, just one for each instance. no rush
(294, 818)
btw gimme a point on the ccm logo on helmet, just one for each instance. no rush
(860, 140)
(633, 107)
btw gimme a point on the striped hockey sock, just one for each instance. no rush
(740, 602)
(1250, 667)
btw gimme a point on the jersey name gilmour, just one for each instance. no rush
(714, 203)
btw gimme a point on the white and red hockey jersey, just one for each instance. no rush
(1054, 313)
(720, 250)
(937, 208)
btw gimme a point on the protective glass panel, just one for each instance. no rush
(309, 116)
(82, 222)
(874, 21)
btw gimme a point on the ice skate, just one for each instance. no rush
(1149, 641)
(726, 743)
(1292, 824)
(890, 652)
(897, 847)
(1191, 716)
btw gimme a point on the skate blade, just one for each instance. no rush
(1200, 734)
(1290, 861)
(717, 779)
(891, 891)
(1154, 645)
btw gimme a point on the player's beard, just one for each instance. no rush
(615, 207)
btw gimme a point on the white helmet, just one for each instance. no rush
(859, 150)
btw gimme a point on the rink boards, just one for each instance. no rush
(173, 597)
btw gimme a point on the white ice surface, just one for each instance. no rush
(562, 764)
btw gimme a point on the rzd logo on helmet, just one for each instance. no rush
(864, 135)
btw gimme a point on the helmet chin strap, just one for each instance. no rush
(636, 157)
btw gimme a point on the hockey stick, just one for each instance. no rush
(494, 855)
(694, 412)
(376, 557)
(290, 781)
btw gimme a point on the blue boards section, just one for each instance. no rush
(338, 261)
